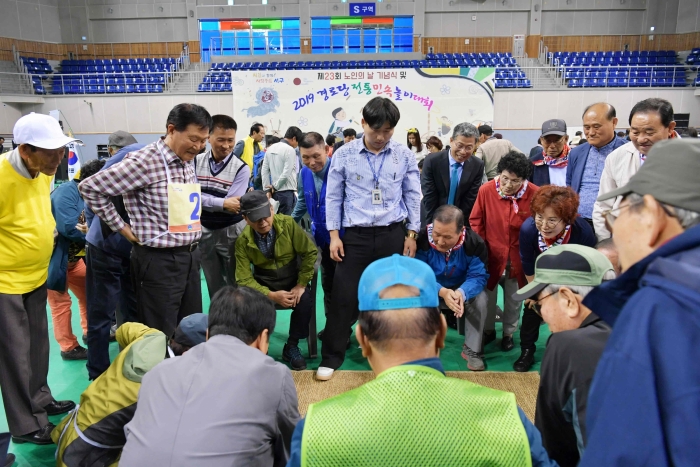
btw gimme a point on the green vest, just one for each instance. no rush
(412, 415)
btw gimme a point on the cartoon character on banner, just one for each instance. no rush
(275, 131)
(339, 122)
(267, 102)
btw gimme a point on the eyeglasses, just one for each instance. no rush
(546, 142)
(460, 146)
(610, 218)
(537, 307)
(549, 223)
(508, 181)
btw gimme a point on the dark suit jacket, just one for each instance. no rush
(577, 163)
(540, 173)
(435, 184)
(536, 152)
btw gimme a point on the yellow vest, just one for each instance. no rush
(248, 152)
(26, 230)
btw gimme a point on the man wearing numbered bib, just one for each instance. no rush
(163, 198)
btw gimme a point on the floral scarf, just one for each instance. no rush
(514, 198)
(560, 162)
(457, 246)
(561, 239)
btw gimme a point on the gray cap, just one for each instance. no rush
(121, 139)
(554, 127)
(669, 174)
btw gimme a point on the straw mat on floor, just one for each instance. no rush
(523, 385)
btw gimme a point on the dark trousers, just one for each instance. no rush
(327, 276)
(287, 201)
(301, 316)
(362, 246)
(108, 287)
(24, 360)
(530, 329)
(168, 285)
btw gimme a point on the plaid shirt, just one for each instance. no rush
(142, 180)
(266, 244)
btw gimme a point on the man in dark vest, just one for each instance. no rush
(224, 179)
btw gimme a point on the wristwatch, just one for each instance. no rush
(411, 234)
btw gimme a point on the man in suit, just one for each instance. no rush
(453, 176)
(551, 162)
(587, 161)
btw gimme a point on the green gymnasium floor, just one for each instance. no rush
(67, 380)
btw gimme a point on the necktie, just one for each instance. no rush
(454, 181)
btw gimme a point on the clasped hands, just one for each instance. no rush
(287, 299)
(453, 300)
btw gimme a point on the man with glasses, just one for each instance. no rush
(645, 394)
(550, 164)
(453, 176)
(563, 278)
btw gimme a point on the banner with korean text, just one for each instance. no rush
(433, 100)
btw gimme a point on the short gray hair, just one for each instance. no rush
(465, 129)
(581, 290)
(685, 217)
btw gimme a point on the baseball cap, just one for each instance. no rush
(566, 265)
(554, 127)
(669, 174)
(255, 205)
(121, 139)
(192, 330)
(42, 131)
(397, 270)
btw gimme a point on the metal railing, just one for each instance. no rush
(15, 83)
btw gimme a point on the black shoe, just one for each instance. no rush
(59, 407)
(507, 343)
(488, 338)
(524, 363)
(9, 460)
(78, 353)
(42, 436)
(292, 354)
(320, 337)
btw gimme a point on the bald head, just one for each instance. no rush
(599, 122)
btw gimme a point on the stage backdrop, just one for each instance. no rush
(433, 100)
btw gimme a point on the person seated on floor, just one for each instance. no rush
(563, 277)
(191, 331)
(282, 258)
(457, 256)
(223, 403)
(93, 434)
(412, 414)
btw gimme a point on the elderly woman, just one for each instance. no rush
(554, 222)
(502, 205)
(433, 144)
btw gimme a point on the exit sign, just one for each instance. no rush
(363, 9)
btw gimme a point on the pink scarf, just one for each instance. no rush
(561, 239)
(513, 198)
(457, 246)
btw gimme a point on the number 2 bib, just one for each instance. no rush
(184, 207)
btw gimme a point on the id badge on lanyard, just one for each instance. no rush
(184, 206)
(376, 193)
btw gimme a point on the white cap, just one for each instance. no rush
(42, 131)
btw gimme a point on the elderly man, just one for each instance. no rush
(651, 121)
(608, 248)
(26, 241)
(224, 402)
(224, 179)
(280, 168)
(642, 401)
(563, 278)
(457, 256)
(453, 176)
(247, 148)
(401, 333)
(313, 183)
(282, 258)
(374, 194)
(163, 199)
(491, 150)
(551, 162)
(118, 140)
(587, 160)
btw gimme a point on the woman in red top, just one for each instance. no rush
(501, 207)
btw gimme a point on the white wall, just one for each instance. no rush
(688, 16)
(31, 20)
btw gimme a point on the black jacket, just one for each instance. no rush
(540, 173)
(435, 184)
(568, 365)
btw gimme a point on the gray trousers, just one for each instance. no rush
(474, 320)
(511, 308)
(24, 360)
(218, 263)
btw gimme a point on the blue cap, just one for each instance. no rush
(192, 330)
(397, 270)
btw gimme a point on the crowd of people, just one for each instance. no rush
(599, 241)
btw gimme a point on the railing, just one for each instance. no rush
(15, 83)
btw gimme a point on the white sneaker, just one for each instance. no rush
(324, 374)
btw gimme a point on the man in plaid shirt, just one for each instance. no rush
(163, 200)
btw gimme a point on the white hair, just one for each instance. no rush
(581, 290)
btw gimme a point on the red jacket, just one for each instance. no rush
(495, 221)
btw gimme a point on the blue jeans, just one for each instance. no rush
(108, 286)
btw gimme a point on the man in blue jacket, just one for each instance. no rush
(457, 256)
(587, 161)
(108, 280)
(644, 399)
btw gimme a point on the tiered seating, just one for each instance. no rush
(620, 69)
(39, 69)
(694, 59)
(114, 76)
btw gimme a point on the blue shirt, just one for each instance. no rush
(300, 207)
(453, 162)
(590, 183)
(537, 451)
(351, 181)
